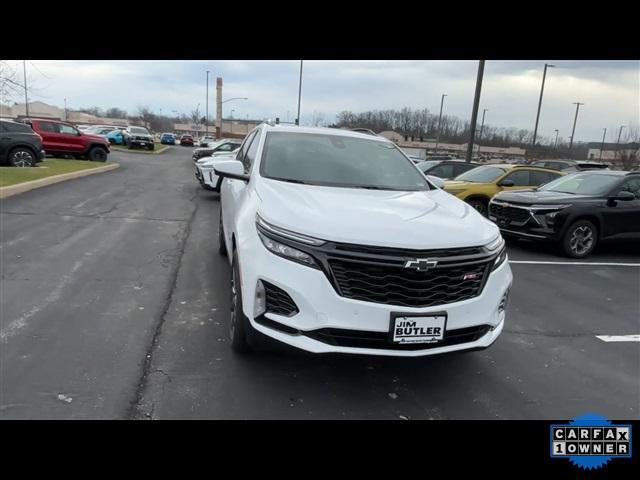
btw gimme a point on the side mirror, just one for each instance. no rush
(231, 169)
(506, 183)
(623, 195)
(437, 181)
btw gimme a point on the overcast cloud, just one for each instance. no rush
(610, 90)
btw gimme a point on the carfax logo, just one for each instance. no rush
(590, 441)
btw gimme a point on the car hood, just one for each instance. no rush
(94, 136)
(416, 220)
(540, 196)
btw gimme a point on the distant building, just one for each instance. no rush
(611, 151)
(235, 128)
(43, 110)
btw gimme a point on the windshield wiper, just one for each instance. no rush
(290, 180)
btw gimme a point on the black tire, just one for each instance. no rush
(481, 206)
(239, 326)
(97, 154)
(580, 239)
(151, 147)
(22, 157)
(222, 246)
(129, 145)
(218, 185)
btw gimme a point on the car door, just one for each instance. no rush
(622, 217)
(51, 138)
(519, 177)
(6, 139)
(71, 138)
(232, 191)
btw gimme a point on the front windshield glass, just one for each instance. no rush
(340, 161)
(484, 174)
(582, 184)
(139, 130)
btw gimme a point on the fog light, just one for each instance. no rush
(260, 300)
(502, 306)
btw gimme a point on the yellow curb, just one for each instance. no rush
(43, 182)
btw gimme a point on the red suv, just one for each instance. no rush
(60, 138)
(186, 140)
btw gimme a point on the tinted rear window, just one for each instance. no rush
(16, 127)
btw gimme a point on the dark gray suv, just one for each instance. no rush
(20, 146)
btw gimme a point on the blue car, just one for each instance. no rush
(168, 139)
(115, 137)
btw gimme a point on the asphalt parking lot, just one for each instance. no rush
(114, 303)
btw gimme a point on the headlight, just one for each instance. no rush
(500, 259)
(495, 245)
(286, 251)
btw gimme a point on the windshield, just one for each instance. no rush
(582, 184)
(336, 160)
(139, 130)
(484, 174)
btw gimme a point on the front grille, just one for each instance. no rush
(396, 285)
(405, 252)
(511, 214)
(279, 301)
(380, 340)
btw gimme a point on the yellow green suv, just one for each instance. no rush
(477, 186)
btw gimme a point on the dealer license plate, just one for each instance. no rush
(418, 329)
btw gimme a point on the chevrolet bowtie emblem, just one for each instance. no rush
(421, 264)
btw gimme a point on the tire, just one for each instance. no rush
(218, 185)
(97, 154)
(129, 145)
(222, 245)
(22, 157)
(580, 239)
(238, 327)
(481, 206)
(151, 147)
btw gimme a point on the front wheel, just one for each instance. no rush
(97, 154)
(238, 323)
(480, 205)
(580, 239)
(22, 157)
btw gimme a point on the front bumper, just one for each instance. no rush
(320, 307)
(206, 176)
(532, 225)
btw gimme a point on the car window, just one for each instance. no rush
(67, 129)
(540, 178)
(442, 171)
(483, 174)
(461, 167)
(631, 185)
(49, 127)
(520, 178)
(15, 127)
(245, 145)
(226, 147)
(250, 157)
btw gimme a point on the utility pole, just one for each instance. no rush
(575, 120)
(618, 142)
(206, 118)
(556, 144)
(481, 128)
(474, 113)
(544, 76)
(26, 99)
(440, 121)
(299, 94)
(602, 145)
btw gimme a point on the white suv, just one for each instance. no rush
(338, 243)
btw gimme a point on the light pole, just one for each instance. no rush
(299, 94)
(231, 127)
(602, 145)
(484, 111)
(206, 118)
(474, 113)
(65, 109)
(234, 98)
(544, 76)
(575, 120)
(556, 144)
(440, 121)
(26, 99)
(618, 142)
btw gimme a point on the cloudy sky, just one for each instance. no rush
(610, 90)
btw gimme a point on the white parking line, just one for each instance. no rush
(619, 338)
(593, 264)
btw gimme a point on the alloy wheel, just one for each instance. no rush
(581, 240)
(22, 158)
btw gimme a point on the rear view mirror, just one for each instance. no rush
(623, 195)
(507, 183)
(231, 169)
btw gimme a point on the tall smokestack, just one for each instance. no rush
(218, 107)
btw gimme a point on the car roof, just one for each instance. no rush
(617, 173)
(321, 130)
